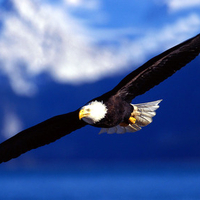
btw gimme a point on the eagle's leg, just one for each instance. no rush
(131, 121)
(123, 124)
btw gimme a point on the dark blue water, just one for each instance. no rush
(115, 181)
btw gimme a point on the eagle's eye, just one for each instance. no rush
(88, 110)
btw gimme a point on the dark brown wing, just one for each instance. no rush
(39, 135)
(157, 69)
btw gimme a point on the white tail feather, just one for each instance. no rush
(143, 114)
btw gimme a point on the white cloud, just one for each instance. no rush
(162, 39)
(175, 5)
(88, 4)
(44, 38)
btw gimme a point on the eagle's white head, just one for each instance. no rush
(93, 112)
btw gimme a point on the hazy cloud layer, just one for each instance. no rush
(11, 124)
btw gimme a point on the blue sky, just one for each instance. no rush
(80, 42)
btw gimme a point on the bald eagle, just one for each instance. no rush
(113, 111)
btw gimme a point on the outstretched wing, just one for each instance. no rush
(157, 69)
(39, 135)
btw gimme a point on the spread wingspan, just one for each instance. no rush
(39, 135)
(136, 83)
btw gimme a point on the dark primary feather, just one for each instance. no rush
(158, 69)
(39, 135)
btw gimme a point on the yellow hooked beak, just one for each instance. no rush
(83, 113)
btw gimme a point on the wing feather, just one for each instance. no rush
(157, 69)
(39, 135)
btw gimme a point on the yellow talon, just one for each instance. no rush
(132, 120)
